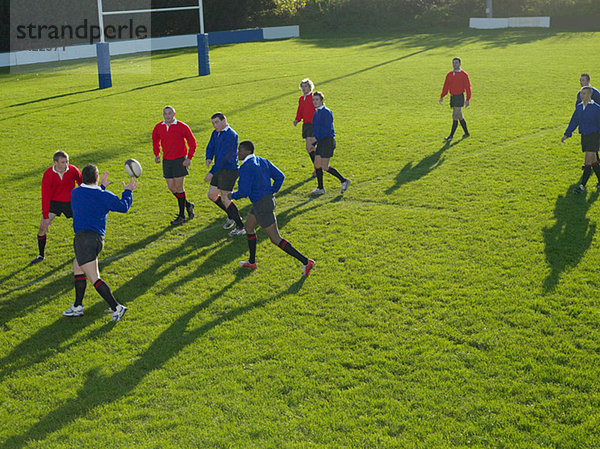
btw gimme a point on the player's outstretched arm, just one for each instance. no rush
(131, 186)
(104, 181)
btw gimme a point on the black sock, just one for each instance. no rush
(288, 248)
(312, 156)
(464, 126)
(319, 178)
(181, 202)
(219, 203)
(234, 214)
(42, 244)
(80, 284)
(252, 247)
(454, 126)
(334, 172)
(596, 168)
(587, 171)
(106, 293)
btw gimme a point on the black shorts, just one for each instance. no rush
(60, 207)
(224, 179)
(457, 101)
(325, 147)
(307, 130)
(87, 245)
(174, 168)
(264, 211)
(590, 142)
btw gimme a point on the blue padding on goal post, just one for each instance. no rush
(103, 58)
(203, 63)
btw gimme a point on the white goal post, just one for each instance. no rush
(103, 53)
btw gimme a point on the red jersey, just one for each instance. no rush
(58, 188)
(306, 109)
(172, 138)
(457, 83)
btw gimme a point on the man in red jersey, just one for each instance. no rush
(57, 183)
(172, 136)
(457, 83)
(304, 114)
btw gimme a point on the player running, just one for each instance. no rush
(255, 183)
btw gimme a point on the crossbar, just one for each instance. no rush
(133, 11)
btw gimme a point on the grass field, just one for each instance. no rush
(454, 302)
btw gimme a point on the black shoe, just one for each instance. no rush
(465, 135)
(580, 189)
(37, 259)
(449, 138)
(190, 210)
(178, 221)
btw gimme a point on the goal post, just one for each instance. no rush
(103, 48)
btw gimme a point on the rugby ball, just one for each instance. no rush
(133, 168)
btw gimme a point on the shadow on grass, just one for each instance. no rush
(447, 38)
(39, 100)
(570, 237)
(100, 391)
(20, 305)
(423, 167)
(41, 345)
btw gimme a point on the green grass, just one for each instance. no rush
(455, 298)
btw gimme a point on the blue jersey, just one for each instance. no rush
(255, 179)
(222, 146)
(323, 123)
(91, 205)
(588, 119)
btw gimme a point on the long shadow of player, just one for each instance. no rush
(42, 344)
(99, 390)
(236, 247)
(570, 237)
(21, 304)
(423, 167)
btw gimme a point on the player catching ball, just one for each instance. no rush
(256, 174)
(91, 204)
(172, 136)
(457, 83)
(304, 114)
(57, 183)
(587, 118)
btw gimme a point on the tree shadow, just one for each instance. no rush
(570, 237)
(423, 167)
(99, 390)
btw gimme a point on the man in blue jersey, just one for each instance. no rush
(255, 183)
(584, 81)
(587, 118)
(91, 203)
(325, 142)
(222, 148)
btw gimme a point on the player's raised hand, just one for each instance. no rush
(131, 186)
(104, 181)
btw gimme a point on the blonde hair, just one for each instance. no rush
(307, 81)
